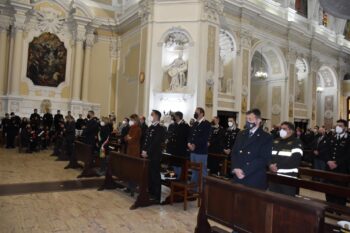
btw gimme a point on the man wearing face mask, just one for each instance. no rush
(230, 135)
(286, 156)
(321, 149)
(198, 142)
(251, 153)
(171, 137)
(216, 144)
(152, 149)
(338, 160)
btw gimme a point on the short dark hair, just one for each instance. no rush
(201, 110)
(157, 113)
(179, 114)
(92, 112)
(12, 114)
(289, 125)
(344, 122)
(255, 111)
(127, 119)
(143, 118)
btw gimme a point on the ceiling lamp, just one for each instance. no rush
(261, 73)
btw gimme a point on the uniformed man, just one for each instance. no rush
(4, 125)
(91, 130)
(170, 139)
(11, 131)
(144, 128)
(48, 120)
(57, 119)
(286, 156)
(198, 142)
(35, 119)
(338, 159)
(216, 144)
(251, 153)
(179, 138)
(230, 135)
(321, 149)
(152, 149)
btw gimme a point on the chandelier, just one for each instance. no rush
(261, 74)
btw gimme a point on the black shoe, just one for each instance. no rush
(73, 166)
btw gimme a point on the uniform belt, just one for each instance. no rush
(292, 170)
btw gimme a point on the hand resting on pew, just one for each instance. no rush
(332, 165)
(144, 154)
(239, 173)
(273, 167)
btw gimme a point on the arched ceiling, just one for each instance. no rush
(326, 78)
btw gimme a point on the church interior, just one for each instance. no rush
(80, 80)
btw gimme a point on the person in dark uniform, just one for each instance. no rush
(321, 148)
(144, 128)
(198, 142)
(4, 125)
(124, 130)
(339, 158)
(57, 118)
(230, 135)
(12, 130)
(80, 123)
(286, 156)
(170, 137)
(152, 150)
(47, 120)
(251, 153)
(35, 119)
(215, 144)
(69, 137)
(91, 130)
(178, 139)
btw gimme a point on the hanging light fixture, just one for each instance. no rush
(261, 73)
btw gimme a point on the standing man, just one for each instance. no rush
(251, 153)
(198, 142)
(5, 122)
(338, 159)
(144, 128)
(215, 145)
(56, 120)
(152, 150)
(48, 120)
(35, 119)
(286, 156)
(230, 135)
(91, 130)
(321, 149)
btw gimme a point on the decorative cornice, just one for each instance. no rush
(212, 10)
(145, 11)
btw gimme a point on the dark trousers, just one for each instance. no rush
(10, 140)
(154, 180)
(336, 199)
(69, 150)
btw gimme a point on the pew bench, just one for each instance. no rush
(84, 153)
(127, 169)
(245, 209)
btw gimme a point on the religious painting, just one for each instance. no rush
(47, 58)
(347, 30)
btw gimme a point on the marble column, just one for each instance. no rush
(3, 62)
(78, 62)
(16, 61)
(86, 72)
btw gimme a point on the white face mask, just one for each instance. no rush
(151, 118)
(131, 123)
(339, 130)
(172, 122)
(102, 123)
(124, 122)
(230, 124)
(283, 133)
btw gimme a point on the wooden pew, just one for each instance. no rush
(130, 169)
(322, 187)
(173, 160)
(221, 158)
(325, 175)
(245, 209)
(84, 153)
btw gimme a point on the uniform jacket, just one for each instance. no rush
(199, 136)
(153, 142)
(287, 153)
(252, 155)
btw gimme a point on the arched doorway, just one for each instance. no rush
(327, 98)
(268, 83)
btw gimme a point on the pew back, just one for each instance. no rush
(249, 210)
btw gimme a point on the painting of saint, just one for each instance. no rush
(47, 58)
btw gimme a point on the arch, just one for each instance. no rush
(271, 53)
(175, 30)
(227, 44)
(327, 96)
